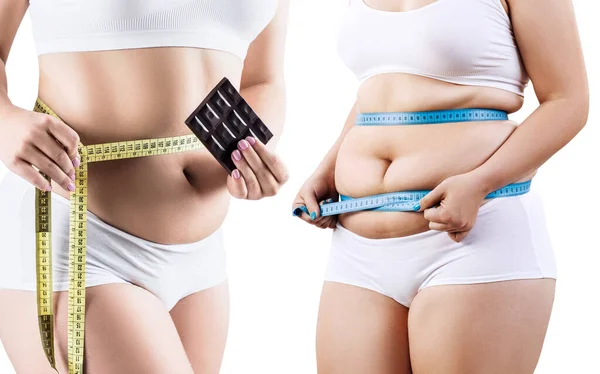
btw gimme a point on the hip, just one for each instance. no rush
(109, 249)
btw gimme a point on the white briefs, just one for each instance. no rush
(170, 272)
(509, 241)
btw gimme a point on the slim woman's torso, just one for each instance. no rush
(374, 160)
(123, 95)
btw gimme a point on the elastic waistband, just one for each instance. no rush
(430, 117)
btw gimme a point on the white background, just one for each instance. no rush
(276, 262)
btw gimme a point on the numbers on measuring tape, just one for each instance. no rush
(78, 237)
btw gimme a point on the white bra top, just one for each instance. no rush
(467, 42)
(96, 25)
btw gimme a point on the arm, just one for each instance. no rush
(263, 85)
(11, 15)
(260, 172)
(26, 138)
(549, 43)
(551, 51)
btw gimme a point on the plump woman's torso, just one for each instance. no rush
(380, 159)
(111, 96)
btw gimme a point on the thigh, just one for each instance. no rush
(202, 321)
(481, 329)
(128, 331)
(361, 331)
(20, 334)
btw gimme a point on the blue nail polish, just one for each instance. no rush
(313, 216)
(417, 207)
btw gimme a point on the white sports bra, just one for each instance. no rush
(467, 42)
(96, 25)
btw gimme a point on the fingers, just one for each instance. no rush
(267, 181)
(431, 199)
(51, 148)
(310, 202)
(47, 166)
(237, 185)
(270, 159)
(440, 220)
(261, 179)
(458, 236)
(439, 226)
(247, 174)
(66, 136)
(27, 172)
(327, 222)
(320, 221)
(437, 214)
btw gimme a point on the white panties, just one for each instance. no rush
(509, 241)
(170, 272)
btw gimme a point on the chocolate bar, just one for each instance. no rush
(222, 120)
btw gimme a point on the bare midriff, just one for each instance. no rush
(111, 96)
(381, 159)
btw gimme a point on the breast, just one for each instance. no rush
(118, 24)
(455, 41)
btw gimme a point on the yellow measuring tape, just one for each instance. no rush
(77, 236)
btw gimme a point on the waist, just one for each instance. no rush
(163, 199)
(382, 158)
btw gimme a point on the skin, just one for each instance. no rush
(184, 197)
(482, 328)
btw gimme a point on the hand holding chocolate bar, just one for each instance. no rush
(236, 137)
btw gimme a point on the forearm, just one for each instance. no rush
(268, 100)
(327, 165)
(538, 138)
(4, 100)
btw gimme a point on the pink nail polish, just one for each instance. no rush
(236, 155)
(72, 176)
(48, 188)
(76, 162)
(236, 174)
(71, 187)
(243, 145)
(251, 140)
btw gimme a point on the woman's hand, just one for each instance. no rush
(260, 172)
(35, 139)
(458, 199)
(320, 187)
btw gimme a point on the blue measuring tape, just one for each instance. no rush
(399, 201)
(406, 200)
(431, 117)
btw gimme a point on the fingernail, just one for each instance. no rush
(313, 216)
(72, 176)
(236, 155)
(236, 174)
(71, 187)
(76, 162)
(243, 145)
(48, 188)
(417, 207)
(251, 140)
